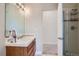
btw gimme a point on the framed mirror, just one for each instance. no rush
(14, 19)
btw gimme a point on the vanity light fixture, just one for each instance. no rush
(27, 11)
(23, 10)
(20, 6)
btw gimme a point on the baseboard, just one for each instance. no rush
(50, 43)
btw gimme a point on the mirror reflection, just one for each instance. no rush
(15, 19)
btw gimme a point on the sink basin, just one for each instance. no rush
(22, 42)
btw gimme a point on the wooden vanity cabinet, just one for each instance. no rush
(21, 51)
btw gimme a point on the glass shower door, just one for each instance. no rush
(71, 32)
(70, 38)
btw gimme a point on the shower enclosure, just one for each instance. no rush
(71, 32)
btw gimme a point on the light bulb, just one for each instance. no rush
(27, 11)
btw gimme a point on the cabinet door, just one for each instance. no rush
(25, 51)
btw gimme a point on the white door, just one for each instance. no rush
(49, 27)
(60, 29)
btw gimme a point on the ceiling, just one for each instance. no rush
(44, 6)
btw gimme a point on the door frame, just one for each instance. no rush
(60, 28)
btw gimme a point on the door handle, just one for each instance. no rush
(60, 38)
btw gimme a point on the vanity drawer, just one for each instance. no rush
(25, 51)
(31, 45)
(14, 51)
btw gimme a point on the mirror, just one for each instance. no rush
(14, 19)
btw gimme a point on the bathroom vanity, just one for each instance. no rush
(25, 46)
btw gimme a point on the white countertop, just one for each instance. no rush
(23, 42)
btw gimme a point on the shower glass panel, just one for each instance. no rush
(71, 32)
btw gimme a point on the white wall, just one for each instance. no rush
(2, 29)
(49, 27)
(33, 22)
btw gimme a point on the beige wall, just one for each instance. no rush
(2, 29)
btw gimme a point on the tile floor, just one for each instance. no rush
(49, 50)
